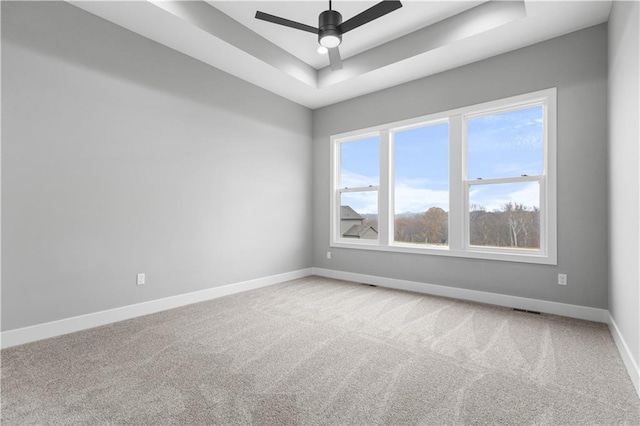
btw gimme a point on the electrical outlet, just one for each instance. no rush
(328, 255)
(140, 279)
(562, 279)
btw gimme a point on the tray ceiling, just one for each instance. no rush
(417, 40)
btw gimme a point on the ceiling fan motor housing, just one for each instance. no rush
(328, 23)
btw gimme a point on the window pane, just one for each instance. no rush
(505, 215)
(421, 189)
(360, 163)
(359, 215)
(506, 144)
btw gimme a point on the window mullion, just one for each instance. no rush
(335, 194)
(456, 186)
(385, 193)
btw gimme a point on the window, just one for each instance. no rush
(473, 182)
(421, 184)
(504, 174)
(358, 188)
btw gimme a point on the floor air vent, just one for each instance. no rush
(524, 310)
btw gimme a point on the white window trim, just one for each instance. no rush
(458, 184)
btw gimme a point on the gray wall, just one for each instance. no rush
(624, 178)
(577, 65)
(122, 156)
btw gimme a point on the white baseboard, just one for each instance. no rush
(627, 358)
(555, 308)
(83, 322)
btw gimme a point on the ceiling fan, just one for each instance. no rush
(330, 26)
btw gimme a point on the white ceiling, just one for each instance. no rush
(411, 17)
(417, 40)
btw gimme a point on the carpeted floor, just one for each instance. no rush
(319, 351)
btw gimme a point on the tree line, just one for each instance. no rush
(515, 225)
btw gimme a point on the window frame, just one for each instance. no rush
(459, 184)
(415, 124)
(338, 191)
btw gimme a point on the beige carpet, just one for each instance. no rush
(320, 351)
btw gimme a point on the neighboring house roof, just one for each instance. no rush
(358, 230)
(347, 212)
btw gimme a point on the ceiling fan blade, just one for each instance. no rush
(334, 59)
(286, 22)
(374, 12)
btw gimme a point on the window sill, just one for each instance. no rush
(518, 255)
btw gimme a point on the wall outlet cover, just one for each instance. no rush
(562, 279)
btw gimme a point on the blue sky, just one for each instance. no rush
(422, 168)
(499, 145)
(505, 145)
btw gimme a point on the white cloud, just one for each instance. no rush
(517, 169)
(412, 198)
(491, 198)
(529, 195)
(362, 202)
(354, 180)
(411, 195)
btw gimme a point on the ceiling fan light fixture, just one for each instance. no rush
(329, 40)
(329, 35)
(330, 26)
